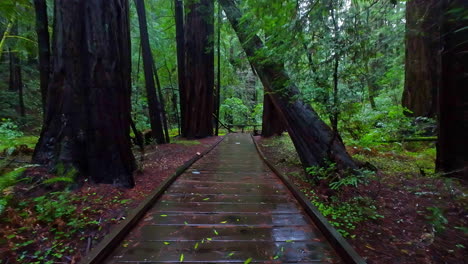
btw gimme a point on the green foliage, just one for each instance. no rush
(233, 111)
(345, 216)
(437, 219)
(59, 211)
(9, 130)
(7, 181)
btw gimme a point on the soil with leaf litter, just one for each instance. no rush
(421, 219)
(44, 224)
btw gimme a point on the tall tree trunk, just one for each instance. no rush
(42, 29)
(310, 135)
(162, 104)
(452, 151)
(87, 124)
(16, 80)
(422, 57)
(154, 106)
(180, 40)
(199, 69)
(218, 79)
(272, 123)
(173, 97)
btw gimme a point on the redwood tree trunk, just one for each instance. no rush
(272, 124)
(422, 57)
(199, 70)
(452, 151)
(16, 80)
(313, 139)
(154, 105)
(42, 29)
(87, 124)
(180, 40)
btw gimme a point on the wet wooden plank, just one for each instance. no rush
(229, 233)
(226, 219)
(209, 251)
(262, 199)
(238, 208)
(226, 207)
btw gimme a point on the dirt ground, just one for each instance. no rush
(26, 238)
(424, 218)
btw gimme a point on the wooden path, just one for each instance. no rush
(227, 208)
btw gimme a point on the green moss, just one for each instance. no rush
(186, 142)
(29, 141)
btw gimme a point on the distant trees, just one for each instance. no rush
(198, 98)
(43, 43)
(154, 105)
(452, 150)
(315, 142)
(422, 77)
(87, 122)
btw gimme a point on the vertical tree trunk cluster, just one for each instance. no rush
(87, 122)
(422, 57)
(180, 40)
(16, 79)
(198, 108)
(452, 150)
(42, 30)
(154, 105)
(313, 139)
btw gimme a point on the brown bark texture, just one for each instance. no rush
(272, 122)
(199, 69)
(422, 60)
(42, 30)
(313, 139)
(180, 40)
(87, 124)
(452, 145)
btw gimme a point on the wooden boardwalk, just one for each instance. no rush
(227, 208)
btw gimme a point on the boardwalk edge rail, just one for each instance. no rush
(343, 248)
(113, 239)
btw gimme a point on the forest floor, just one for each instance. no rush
(401, 214)
(45, 224)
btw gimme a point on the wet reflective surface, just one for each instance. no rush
(227, 208)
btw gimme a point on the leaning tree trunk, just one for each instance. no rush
(42, 29)
(313, 139)
(154, 105)
(272, 124)
(87, 124)
(180, 40)
(452, 151)
(199, 70)
(422, 57)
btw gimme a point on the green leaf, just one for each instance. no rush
(248, 261)
(181, 259)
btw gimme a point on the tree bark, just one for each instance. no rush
(180, 40)
(452, 151)
(162, 104)
(422, 57)
(272, 124)
(313, 139)
(87, 124)
(42, 29)
(199, 69)
(218, 79)
(16, 79)
(154, 106)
